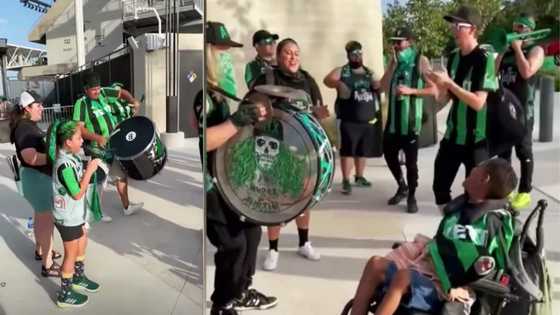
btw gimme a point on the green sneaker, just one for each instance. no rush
(346, 187)
(521, 201)
(71, 299)
(361, 181)
(84, 283)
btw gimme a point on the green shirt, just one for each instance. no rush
(255, 69)
(405, 111)
(119, 108)
(473, 72)
(466, 234)
(97, 115)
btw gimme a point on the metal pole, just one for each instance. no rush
(4, 63)
(80, 45)
(546, 109)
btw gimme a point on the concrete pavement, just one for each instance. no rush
(347, 230)
(148, 263)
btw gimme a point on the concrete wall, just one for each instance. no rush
(149, 80)
(321, 27)
(102, 30)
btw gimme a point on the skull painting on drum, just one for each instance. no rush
(266, 150)
(265, 166)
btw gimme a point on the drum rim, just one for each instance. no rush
(146, 148)
(310, 198)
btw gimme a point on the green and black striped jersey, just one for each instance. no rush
(97, 114)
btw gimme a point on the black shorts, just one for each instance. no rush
(359, 140)
(70, 233)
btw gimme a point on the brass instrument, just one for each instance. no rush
(500, 40)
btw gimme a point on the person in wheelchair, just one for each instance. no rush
(473, 239)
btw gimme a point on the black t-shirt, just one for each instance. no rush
(302, 80)
(28, 135)
(217, 111)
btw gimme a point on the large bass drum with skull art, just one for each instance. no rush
(271, 172)
(135, 144)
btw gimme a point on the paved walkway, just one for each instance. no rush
(148, 263)
(347, 230)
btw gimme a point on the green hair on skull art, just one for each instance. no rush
(287, 169)
(59, 131)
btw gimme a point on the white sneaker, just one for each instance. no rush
(271, 260)
(133, 207)
(105, 218)
(308, 252)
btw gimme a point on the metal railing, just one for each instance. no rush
(50, 114)
(129, 7)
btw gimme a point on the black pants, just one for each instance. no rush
(235, 260)
(392, 143)
(448, 160)
(524, 152)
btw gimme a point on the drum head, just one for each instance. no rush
(268, 173)
(132, 137)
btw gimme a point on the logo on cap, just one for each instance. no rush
(223, 32)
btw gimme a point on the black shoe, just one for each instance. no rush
(217, 310)
(411, 206)
(401, 193)
(254, 300)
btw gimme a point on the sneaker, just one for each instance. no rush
(362, 181)
(71, 299)
(401, 193)
(411, 206)
(521, 201)
(254, 300)
(133, 207)
(271, 260)
(308, 252)
(346, 187)
(84, 283)
(105, 218)
(228, 310)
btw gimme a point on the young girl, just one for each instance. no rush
(70, 184)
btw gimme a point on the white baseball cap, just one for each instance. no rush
(28, 97)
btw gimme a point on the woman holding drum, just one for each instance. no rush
(236, 241)
(289, 74)
(35, 176)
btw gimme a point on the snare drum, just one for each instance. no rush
(271, 172)
(136, 146)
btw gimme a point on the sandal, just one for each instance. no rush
(52, 271)
(55, 255)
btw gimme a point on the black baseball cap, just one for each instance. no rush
(403, 33)
(262, 35)
(352, 46)
(465, 14)
(217, 34)
(90, 79)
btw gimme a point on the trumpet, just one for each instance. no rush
(500, 40)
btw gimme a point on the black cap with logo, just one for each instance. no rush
(217, 34)
(403, 33)
(261, 35)
(465, 14)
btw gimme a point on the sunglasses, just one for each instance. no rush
(457, 26)
(355, 53)
(520, 26)
(266, 41)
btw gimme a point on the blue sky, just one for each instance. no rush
(16, 21)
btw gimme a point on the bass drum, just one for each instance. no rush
(272, 172)
(136, 146)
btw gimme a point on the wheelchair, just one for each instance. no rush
(524, 289)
